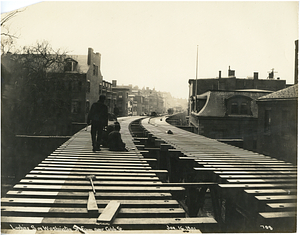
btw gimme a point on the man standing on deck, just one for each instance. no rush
(98, 114)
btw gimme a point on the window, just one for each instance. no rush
(108, 102)
(75, 108)
(60, 107)
(285, 124)
(239, 105)
(88, 86)
(244, 108)
(234, 108)
(70, 65)
(79, 85)
(95, 70)
(87, 106)
(267, 121)
(76, 85)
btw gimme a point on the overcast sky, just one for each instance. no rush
(154, 44)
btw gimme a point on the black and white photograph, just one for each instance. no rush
(149, 117)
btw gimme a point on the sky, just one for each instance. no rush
(154, 44)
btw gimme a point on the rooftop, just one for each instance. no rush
(82, 62)
(287, 93)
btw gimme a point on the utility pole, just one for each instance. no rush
(196, 80)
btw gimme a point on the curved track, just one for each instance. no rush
(171, 181)
(57, 195)
(254, 192)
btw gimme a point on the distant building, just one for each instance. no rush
(64, 94)
(228, 116)
(139, 100)
(231, 83)
(134, 101)
(278, 124)
(154, 101)
(83, 74)
(225, 108)
(111, 97)
(122, 98)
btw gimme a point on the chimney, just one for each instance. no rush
(220, 76)
(231, 72)
(255, 80)
(114, 83)
(90, 53)
(296, 62)
(255, 76)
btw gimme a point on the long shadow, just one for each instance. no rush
(19, 155)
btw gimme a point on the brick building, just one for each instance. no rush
(278, 124)
(154, 101)
(87, 67)
(105, 88)
(62, 96)
(232, 83)
(139, 100)
(228, 116)
(84, 74)
(122, 93)
(225, 107)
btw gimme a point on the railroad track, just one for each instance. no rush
(75, 190)
(250, 192)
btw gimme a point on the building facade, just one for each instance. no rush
(85, 90)
(122, 98)
(224, 107)
(57, 100)
(154, 101)
(278, 124)
(111, 98)
(228, 115)
(231, 83)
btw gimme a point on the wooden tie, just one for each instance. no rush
(76, 190)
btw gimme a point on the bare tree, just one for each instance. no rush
(29, 90)
(7, 38)
(4, 21)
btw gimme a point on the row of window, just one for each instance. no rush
(239, 108)
(76, 107)
(237, 105)
(106, 84)
(72, 65)
(75, 86)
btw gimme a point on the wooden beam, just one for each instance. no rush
(92, 206)
(109, 213)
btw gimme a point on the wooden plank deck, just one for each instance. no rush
(245, 179)
(53, 196)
